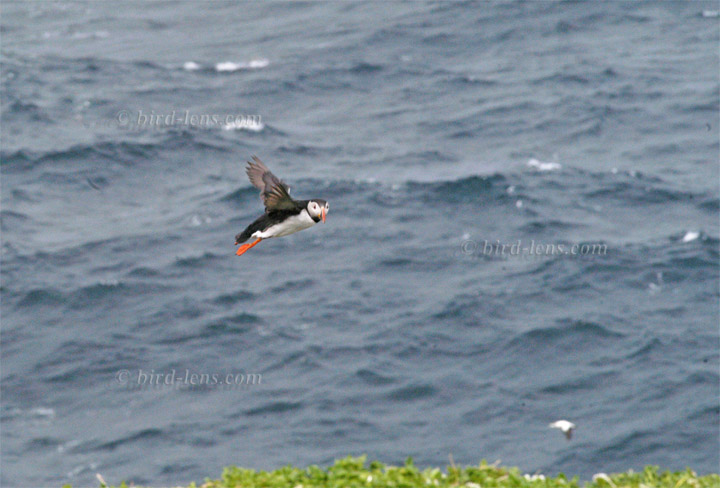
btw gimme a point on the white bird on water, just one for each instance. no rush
(565, 426)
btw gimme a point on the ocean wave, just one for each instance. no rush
(373, 378)
(709, 204)
(230, 299)
(230, 66)
(138, 436)
(543, 166)
(537, 227)
(567, 332)
(20, 110)
(293, 285)
(143, 272)
(75, 35)
(40, 297)
(105, 293)
(249, 125)
(274, 408)
(241, 195)
(483, 189)
(411, 393)
(107, 152)
(639, 192)
(10, 220)
(364, 68)
(124, 153)
(233, 324)
(473, 80)
(197, 261)
(575, 386)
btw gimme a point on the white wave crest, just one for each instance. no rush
(229, 66)
(543, 166)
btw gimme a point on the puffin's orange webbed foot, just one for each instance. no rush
(243, 249)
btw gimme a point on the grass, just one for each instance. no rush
(355, 472)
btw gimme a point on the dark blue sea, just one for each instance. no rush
(523, 227)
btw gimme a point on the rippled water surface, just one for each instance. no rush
(438, 132)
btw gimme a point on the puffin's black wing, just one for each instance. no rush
(274, 193)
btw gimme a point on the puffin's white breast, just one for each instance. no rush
(288, 226)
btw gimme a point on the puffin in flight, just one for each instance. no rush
(283, 215)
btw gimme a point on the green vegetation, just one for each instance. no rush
(355, 472)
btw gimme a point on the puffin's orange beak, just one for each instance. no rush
(322, 214)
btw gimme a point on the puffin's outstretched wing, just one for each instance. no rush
(274, 193)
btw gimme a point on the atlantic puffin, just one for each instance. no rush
(283, 215)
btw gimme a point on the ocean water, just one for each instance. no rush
(439, 132)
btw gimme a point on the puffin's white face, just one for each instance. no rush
(318, 209)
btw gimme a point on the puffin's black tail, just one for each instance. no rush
(260, 224)
(248, 232)
(242, 237)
